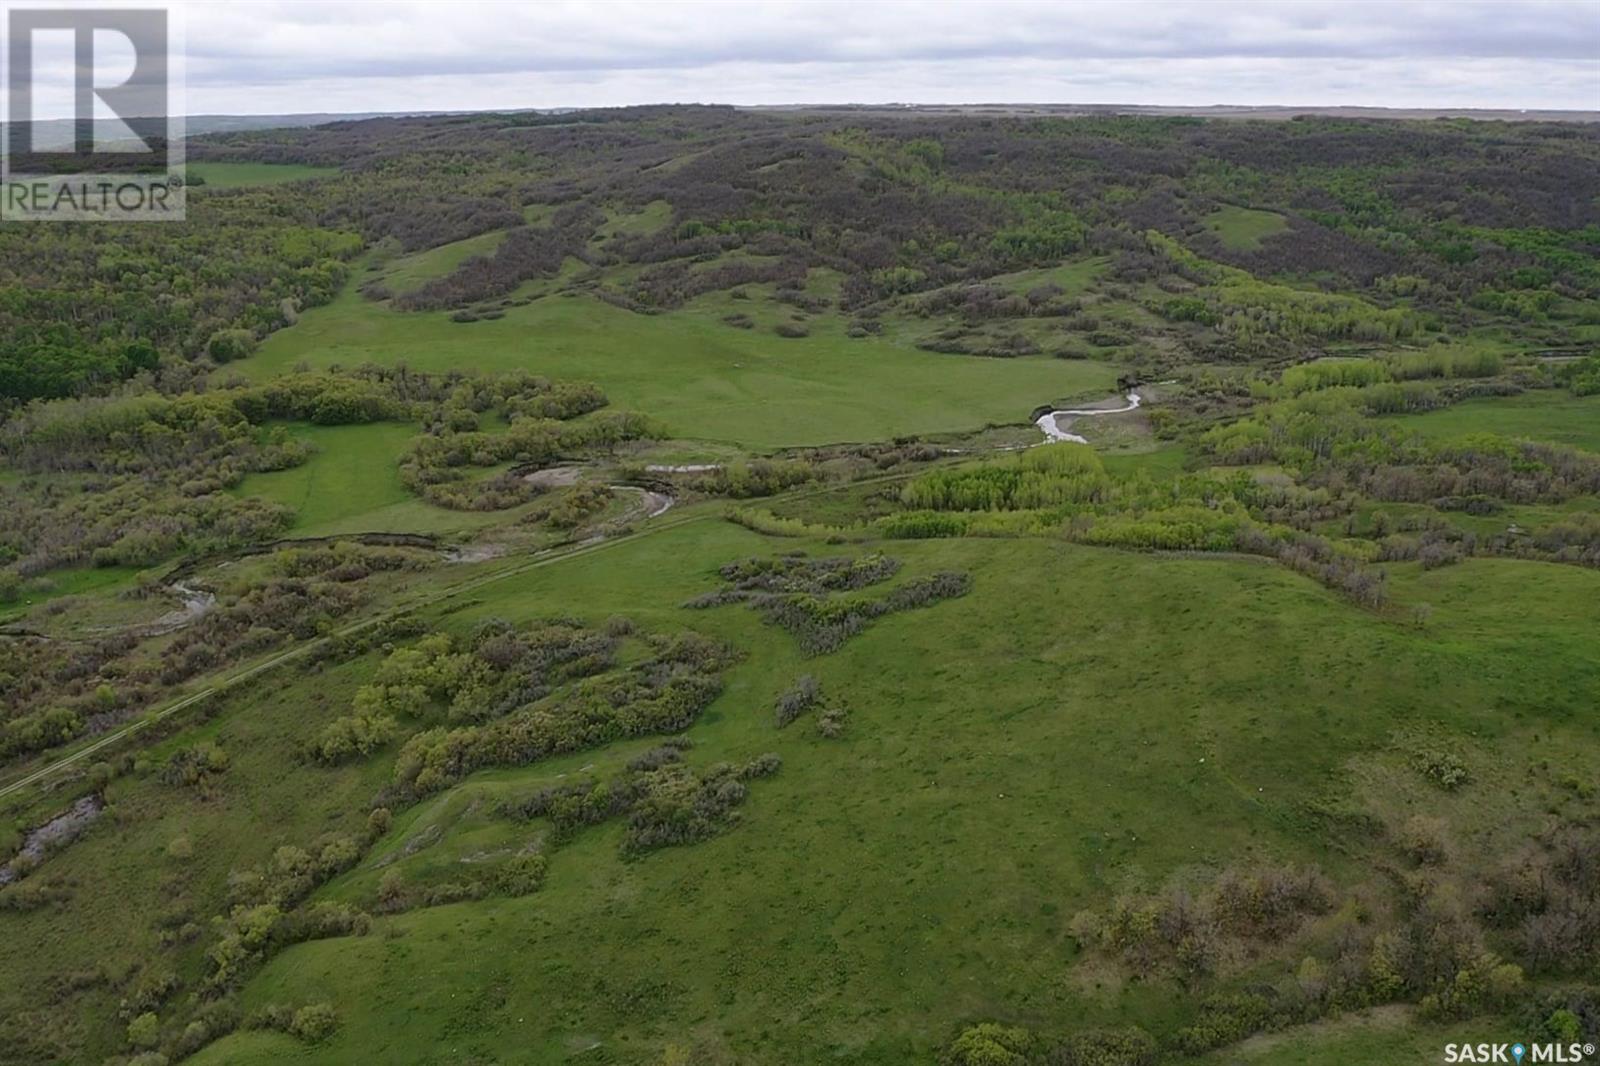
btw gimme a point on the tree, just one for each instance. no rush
(226, 345)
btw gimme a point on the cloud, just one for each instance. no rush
(280, 57)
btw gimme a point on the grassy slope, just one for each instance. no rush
(1243, 229)
(1547, 414)
(1012, 757)
(703, 378)
(235, 175)
(408, 272)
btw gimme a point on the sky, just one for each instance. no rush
(287, 57)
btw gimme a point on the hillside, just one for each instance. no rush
(693, 585)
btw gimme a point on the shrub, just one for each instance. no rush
(314, 1022)
(144, 1031)
(520, 875)
(229, 344)
(797, 700)
(989, 1044)
(1106, 1047)
(1442, 768)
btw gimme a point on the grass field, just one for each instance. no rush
(1011, 757)
(1243, 229)
(352, 485)
(1546, 414)
(76, 581)
(237, 175)
(702, 378)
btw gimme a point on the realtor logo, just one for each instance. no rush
(92, 130)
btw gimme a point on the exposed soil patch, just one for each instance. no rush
(554, 477)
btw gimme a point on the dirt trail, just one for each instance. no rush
(651, 503)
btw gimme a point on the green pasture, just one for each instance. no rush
(1546, 414)
(239, 175)
(702, 378)
(1084, 722)
(1242, 229)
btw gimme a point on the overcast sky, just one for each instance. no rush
(282, 57)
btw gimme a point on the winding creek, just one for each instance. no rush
(1048, 424)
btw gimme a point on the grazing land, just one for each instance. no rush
(223, 175)
(684, 585)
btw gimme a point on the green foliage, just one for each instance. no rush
(226, 345)
(1583, 376)
(314, 1022)
(1052, 234)
(535, 695)
(989, 1044)
(799, 595)
(144, 1031)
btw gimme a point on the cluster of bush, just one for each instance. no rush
(1582, 376)
(1400, 366)
(521, 874)
(195, 766)
(439, 466)
(56, 691)
(505, 697)
(979, 301)
(526, 252)
(795, 593)
(264, 913)
(675, 283)
(1548, 900)
(491, 673)
(796, 700)
(755, 477)
(572, 506)
(665, 802)
(261, 617)
(133, 480)
(1187, 933)
(991, 1044)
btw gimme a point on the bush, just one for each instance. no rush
(989, 1045)
(1442, 768)
(144, 1031)
(520, 875)
(229, 344)
(314, 1022)
(1106, 1047)
(797, 700)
